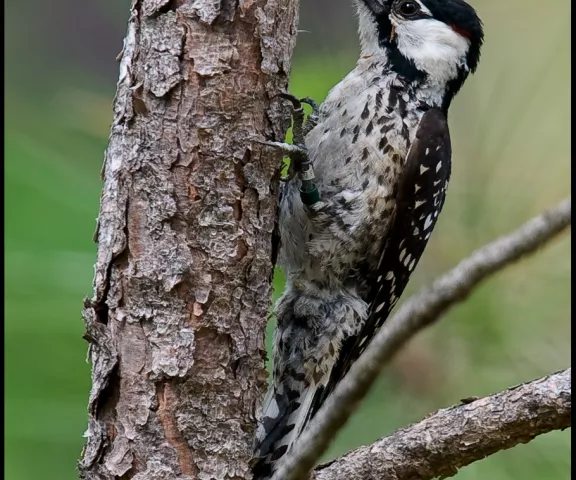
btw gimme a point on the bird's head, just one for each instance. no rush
(435, 39)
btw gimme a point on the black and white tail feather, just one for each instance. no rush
(382, 155)
(284, 419)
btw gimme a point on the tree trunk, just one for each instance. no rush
(182, 279)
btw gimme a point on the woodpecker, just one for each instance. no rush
(373, 164)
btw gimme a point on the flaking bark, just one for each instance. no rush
(182, 279)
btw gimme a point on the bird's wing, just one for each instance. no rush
(421, 194)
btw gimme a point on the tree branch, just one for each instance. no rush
(416, 313)
(455, 437)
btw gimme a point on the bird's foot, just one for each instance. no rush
(297, 154)
(301, 124)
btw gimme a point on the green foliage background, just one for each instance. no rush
(510, 129)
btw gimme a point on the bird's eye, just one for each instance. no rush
(409, 9)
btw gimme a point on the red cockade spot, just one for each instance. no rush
(461, 31)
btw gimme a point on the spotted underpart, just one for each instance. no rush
(420, 201)
(382, 157)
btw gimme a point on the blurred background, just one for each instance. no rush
(510, 128)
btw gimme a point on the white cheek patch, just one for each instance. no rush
(433, 46)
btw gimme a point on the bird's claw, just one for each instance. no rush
(297, 155)
(288, 149)
(311, 103)
(301, 125)
(297, 102)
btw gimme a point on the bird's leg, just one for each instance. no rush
(301, 126)
(298, 119)
(297, 152)
(297, 155)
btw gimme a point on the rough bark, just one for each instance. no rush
(416, 313)
(184, 266)
(454, 437)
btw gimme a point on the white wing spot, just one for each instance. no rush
(438, 147)
(363, 341)
(418, 203)
(427, 151)
(416, 188)
(438, 166)
(428, 222)
(427, 236)
(402, 254)
(379, 278)
(416, 231)
(390, 275)
(407, 260)
(379, 307)
(423, 169)
(412, 265)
